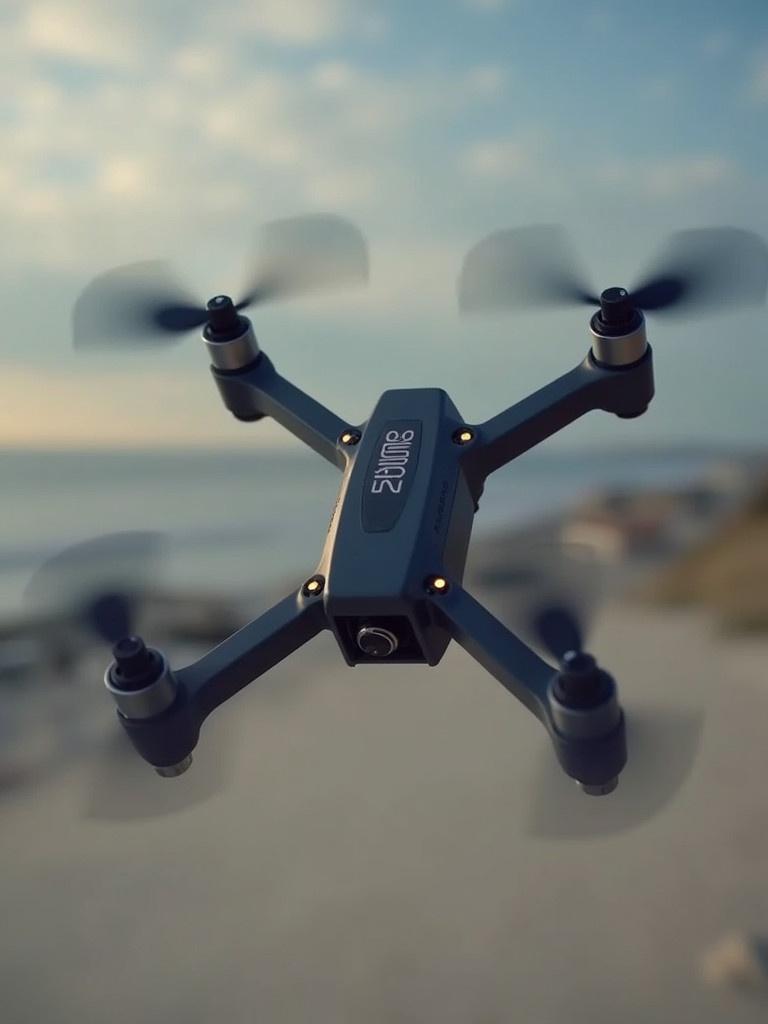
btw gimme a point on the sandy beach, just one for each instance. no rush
(379, 856)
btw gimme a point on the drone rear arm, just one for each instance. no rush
(519, 669)
(259, 390)
(625, 391)
(589, 742)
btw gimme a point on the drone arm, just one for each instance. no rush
(251, 651)
(259, 390)
(626, 392)
(168, 736)
(590, 745)
(519, 669)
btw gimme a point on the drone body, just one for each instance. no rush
(388, 583)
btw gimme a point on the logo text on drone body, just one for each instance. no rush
(392, 463)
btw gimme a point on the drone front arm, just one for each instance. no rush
(259, 390)
(168, 735)
(251, 651)
(625, 391)
(519, 669)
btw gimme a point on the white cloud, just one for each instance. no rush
(295, 22)
(657, 87)
(340, 187)
(486, 81)
(759, 82)
(74, 409)
(80, 31)
(665, 178)
(199, 61)
(124, 176)
(501, 159)
(198, 141)
(333, 76)
(486, 5)
(717, 42)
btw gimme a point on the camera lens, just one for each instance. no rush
(376, 641)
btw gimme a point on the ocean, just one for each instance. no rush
(241, 521)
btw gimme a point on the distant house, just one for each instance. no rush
(618, 524)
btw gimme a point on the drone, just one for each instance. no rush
(389, 581)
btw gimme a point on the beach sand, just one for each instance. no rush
(372, 858)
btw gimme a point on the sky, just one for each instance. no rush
(136, 130)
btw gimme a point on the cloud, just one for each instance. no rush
(759, 81)
(717, 42)
(333, 76)
(78, 31)
(197, 132)
(295, 22)
(486, 5)
(501, 159)
(486, 81)
(124, 176)
(666, 177)
(78, 410)
(657, 87)
(137, 142)
(339, 187)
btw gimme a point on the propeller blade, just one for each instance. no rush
(662, 743)
(531, 266)
(133, 305)
(97, 585)
(706, 269)
(547, 591)
(557, 629)
(303, 254)
(123, 787)
(97, 582)
(111, 616)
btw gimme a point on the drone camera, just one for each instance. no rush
(377, 641)
(373, 639)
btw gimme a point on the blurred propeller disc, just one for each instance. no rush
(137, 304)
(545, 590)
(96, 586)
(304, 254)
(706, 269)
(663, 743)
(96, 583)
(699, 270)
(548, 592)
(144, 304)
(123, 787)
(525, 267)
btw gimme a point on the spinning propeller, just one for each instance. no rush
(549, 595)
(698, 271)
(144, 303)
(98, 585)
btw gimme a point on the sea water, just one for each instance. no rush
(242, 521)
